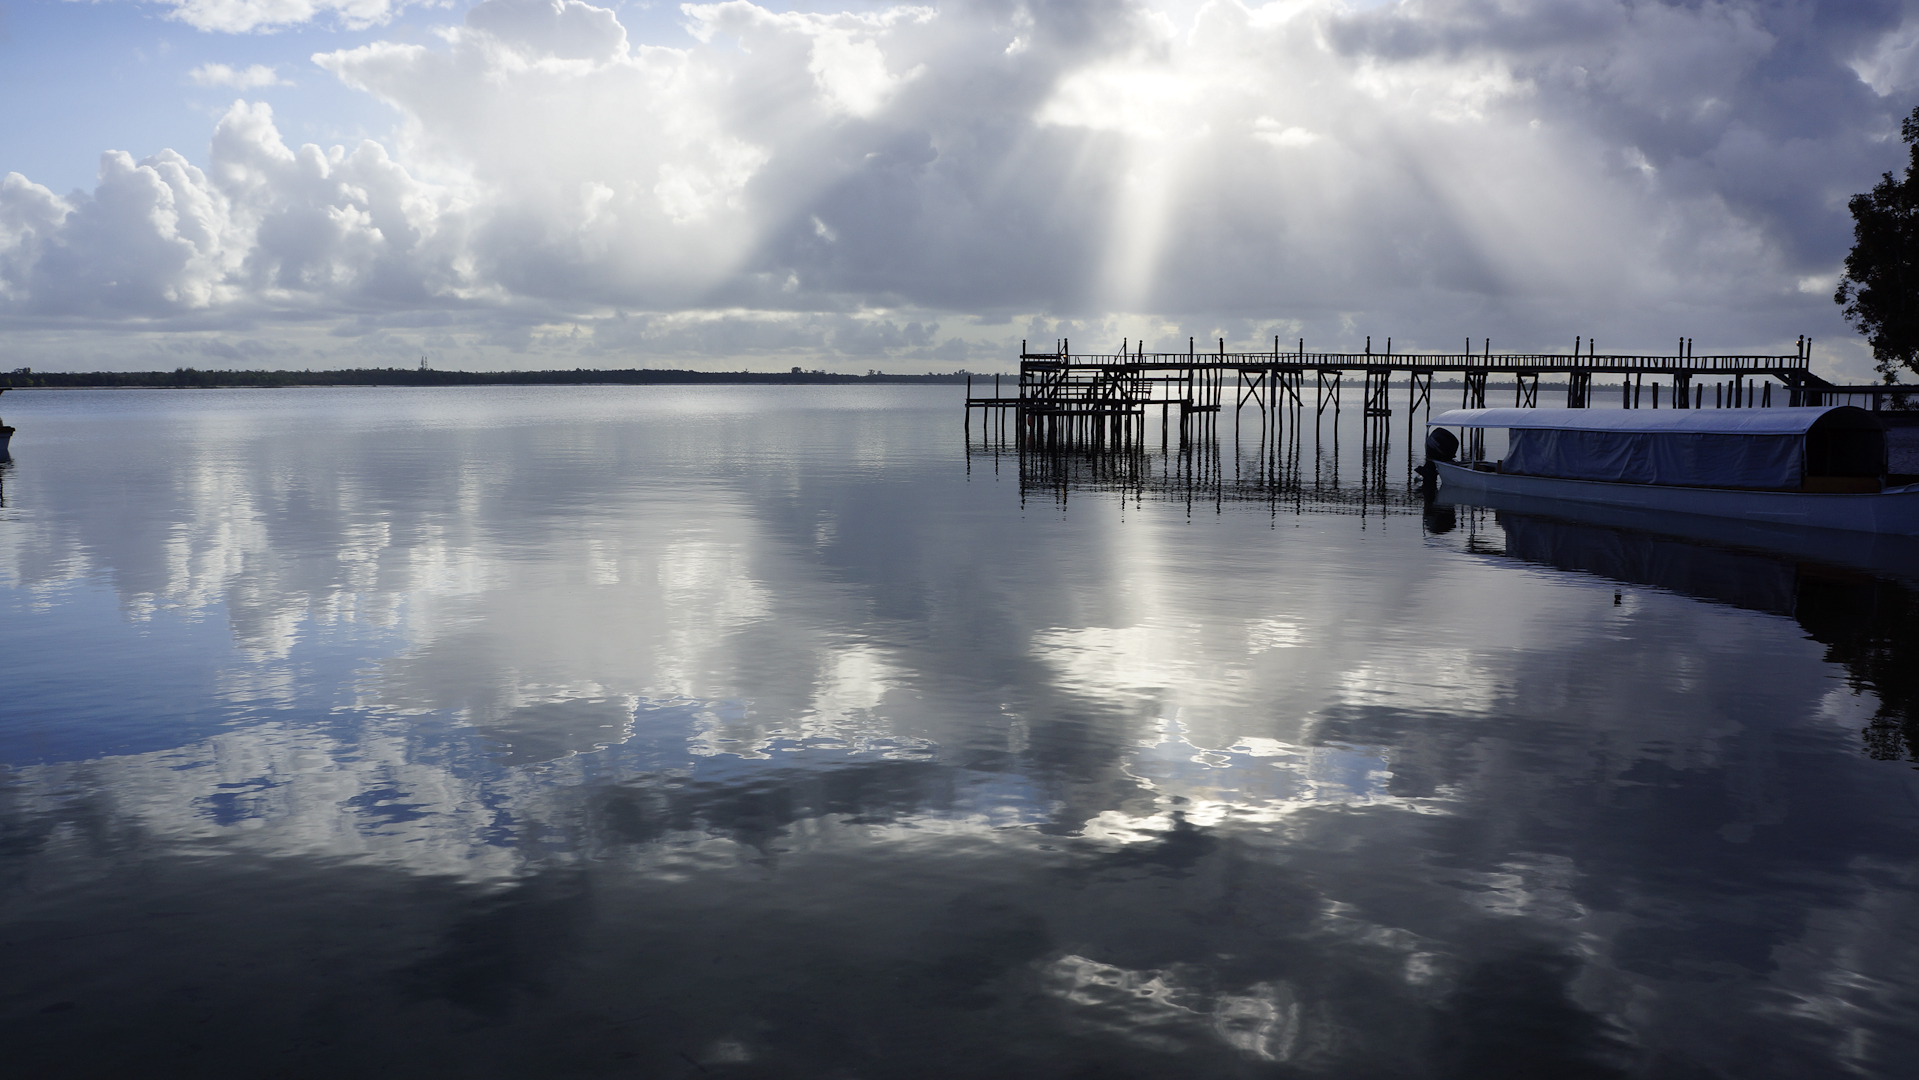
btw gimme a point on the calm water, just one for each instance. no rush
(766, 733)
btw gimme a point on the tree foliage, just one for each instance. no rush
(1880, 288)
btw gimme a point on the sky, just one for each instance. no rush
(906, 188)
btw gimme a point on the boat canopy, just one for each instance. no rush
(1795, 421)
(1762, 449)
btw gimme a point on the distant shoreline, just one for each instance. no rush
(191, 378)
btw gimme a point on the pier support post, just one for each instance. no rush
(1419, 393)
(1579, 389)
(1327, 391)
(1525, 390)
(1377, 404)
(1475, 394)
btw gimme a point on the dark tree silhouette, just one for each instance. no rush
(1880, 288)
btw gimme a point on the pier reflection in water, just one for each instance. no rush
(1287, 460)
(615, 732)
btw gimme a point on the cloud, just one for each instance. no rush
(247, 16)
(567, 29)
(250, 78)
(1430, 169)
(1890, 65)
(263, 226)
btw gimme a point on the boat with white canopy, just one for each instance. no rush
(1819, 466)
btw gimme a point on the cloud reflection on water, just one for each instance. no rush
(765, 737)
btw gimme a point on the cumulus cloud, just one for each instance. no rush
(263, 225)
(251, 77)
(1433, 168)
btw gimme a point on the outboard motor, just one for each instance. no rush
(1441, 445)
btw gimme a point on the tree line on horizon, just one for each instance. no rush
(184, 378)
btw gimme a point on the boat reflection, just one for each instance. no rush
(1855, 593)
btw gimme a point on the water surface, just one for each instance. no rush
(611, 731)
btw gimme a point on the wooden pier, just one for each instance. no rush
(1093, 400)
(1082, 423)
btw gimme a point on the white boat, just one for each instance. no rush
(1821, 467)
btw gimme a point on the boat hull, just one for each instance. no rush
(1892, 513)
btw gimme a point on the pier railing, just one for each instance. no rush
(1541, 363)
